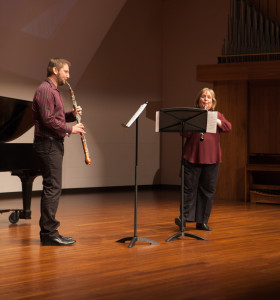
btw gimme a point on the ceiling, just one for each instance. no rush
(33, 31)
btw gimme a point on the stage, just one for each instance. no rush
(239, 260)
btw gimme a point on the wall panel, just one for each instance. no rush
(264, 116)
(232, 103)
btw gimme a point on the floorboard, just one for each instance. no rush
(239, 260)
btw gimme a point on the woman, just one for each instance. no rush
(202, 156)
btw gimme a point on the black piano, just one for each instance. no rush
(18, 158)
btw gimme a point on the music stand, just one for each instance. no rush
(136, 238)
(182, 120)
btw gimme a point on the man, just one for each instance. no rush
(50, 130)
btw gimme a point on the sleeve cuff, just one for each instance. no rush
(68, 131)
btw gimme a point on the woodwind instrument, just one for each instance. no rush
(79, 118)
(202, 134)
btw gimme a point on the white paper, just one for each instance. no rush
(136, 115)
(212, 121)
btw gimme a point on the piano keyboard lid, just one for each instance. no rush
(15, 118)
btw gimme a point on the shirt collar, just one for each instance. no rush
(51, 83)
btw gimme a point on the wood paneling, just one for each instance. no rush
(239, 71)
(264, 116)
(232, 102)
(249, 96)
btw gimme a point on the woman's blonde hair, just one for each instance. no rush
(214, 101)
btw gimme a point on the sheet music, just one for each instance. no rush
(212, 121)
(136, 115)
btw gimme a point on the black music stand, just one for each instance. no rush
(182, 120)
(136, 238)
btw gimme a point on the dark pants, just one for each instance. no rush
(50, 155)
(199, 191)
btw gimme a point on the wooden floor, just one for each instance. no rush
(239, 260)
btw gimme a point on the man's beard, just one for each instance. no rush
(60, 81)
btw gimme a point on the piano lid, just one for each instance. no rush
(15, 118)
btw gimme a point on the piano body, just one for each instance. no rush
(18, 158)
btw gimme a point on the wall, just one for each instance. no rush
(193, 35)
(115, 50)
(147, 50)
(124, 73)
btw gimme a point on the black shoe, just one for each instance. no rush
(57, 241)
(178, 222)
(66, 238)
(201, 226)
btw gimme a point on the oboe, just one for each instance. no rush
(79, 118)
(202, 134)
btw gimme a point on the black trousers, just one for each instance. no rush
(50, 153)
(199, 191)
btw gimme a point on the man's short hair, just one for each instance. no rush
(56, 63)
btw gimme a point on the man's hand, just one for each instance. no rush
(78, 128)
(79, 111)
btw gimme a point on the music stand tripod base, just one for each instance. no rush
(135, 239)
(182, 233)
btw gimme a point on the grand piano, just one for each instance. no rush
(18, 158)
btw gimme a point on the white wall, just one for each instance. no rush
(115, 50)
(124, 73)
(123, 53)
(193, 34)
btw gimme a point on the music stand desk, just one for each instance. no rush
(182, 120)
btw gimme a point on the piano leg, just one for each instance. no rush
(27, 177)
